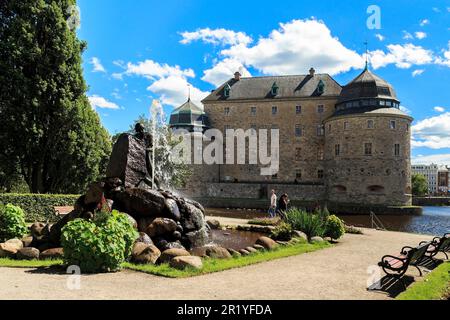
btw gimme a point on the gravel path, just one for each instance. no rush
(335, 273)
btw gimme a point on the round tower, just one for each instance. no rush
(189, 117)
(367, 145)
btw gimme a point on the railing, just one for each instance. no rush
(376, 222)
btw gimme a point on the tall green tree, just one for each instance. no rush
(48, 131)
(419, 185)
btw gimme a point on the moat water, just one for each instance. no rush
(434, 221)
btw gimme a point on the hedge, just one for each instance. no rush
(39, 207)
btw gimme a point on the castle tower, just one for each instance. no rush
(367, 145)
(190, 117)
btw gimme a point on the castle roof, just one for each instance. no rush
(188, 115)
(294, 86)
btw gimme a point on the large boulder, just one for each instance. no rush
(7, 250)
(184, 262)
(145, 253)
(171, 209)
(27, 241)
(267, 243)
(140, 203)
(55, 253)
(28, 254)
(218, 252)
(161, 227)
(317, 240)
(143, 223)
(94, 195)
(172, 245)
(192, 218)
(168, 255)
(197, 238)
(128, 161)
(18, 244)
(144, 238)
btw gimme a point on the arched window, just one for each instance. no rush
(340, 188)
(227, 91)
(274, 90)
(375, 189)
(321, 87)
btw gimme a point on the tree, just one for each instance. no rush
(49, 133)
(419, 185)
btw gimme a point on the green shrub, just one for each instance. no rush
(39, 207)
(334, 227)
(282, 232)
(311, 224)
(101, 245)
(12, 222)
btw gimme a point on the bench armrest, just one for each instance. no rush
(406, 249)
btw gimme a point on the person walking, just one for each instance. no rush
(283, 206)
(273, 204)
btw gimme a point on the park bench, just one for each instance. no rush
(62, 211)
(438, 245)
(396, 266)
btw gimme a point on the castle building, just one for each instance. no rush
(342, 145)
(437, 177)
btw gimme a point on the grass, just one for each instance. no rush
(217, 265)
(436, 286)
(10, 263)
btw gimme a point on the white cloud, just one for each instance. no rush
(433, 132)
(439, 109)
(294, 48)
(440, 159)
(435, 9)
(223, 71)
(98, 67)
(380, 37)
(100, 102)
(405, 110)
(173, 91)
(418, 72)
(216, 36)
(420, 35)
(403, 56)
(117, 76)
(151, 69)
(407, 35)
(424, 22)
(445, 60)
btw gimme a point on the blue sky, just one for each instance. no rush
(143, 49)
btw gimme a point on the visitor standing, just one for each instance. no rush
(283, 205)
(273, 204)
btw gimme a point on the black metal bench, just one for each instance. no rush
(438, 245)
(396, 266)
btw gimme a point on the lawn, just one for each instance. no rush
(209, 265)
(435, 286)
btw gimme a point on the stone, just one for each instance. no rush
(218, 252)
(95, 193)
(317, 240)
(196, 238)
(161, 226)
(132, 221)
(213, 224)
(113, 184)
(144, 238)
(184, 262)
(267, 243)
(282, 243)
(234, 253)
(7, 250)
(143, 223)
(145, 253)
(300, 235)
(27, 254)
(259, 247)
(55, 253)
(192, 218)
(244, 252)
(140, 203)
(27, 241)
(328, 239)
(251, 250)
(177, 235)
(18, 244)
(128, 161)
(168, 255)
(173, 245)
(171, 210)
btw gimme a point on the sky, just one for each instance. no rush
(142, 50)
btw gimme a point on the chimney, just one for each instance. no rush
(312, 72)
(237, 76)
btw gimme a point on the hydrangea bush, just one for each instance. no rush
(12, 222)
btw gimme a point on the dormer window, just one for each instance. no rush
(226, 91)
(274, 90)
(321, 87)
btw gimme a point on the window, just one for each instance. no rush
(407, 127)
(320, 173)
(226, 111)
(298, 130)
(337, 149)
(320, 130)
(298, 154)
(370, 124)
(320, 154)
(227, 91)
(320, 108)
(298, 109)
(368, 149)
(298, 174)
(253, 111)
(274, 90)
(346, 125)
(321, 87)
(397, 150)
(274, 110)
(389, 103)
(393, 124)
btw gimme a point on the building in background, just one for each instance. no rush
(437, 177)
